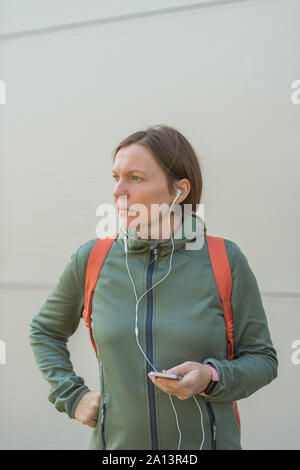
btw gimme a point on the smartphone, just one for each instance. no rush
(167, 376)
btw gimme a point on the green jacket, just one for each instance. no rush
(180, 319)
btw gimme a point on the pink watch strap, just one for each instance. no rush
(214, 377)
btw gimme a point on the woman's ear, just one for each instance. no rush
(184, 186)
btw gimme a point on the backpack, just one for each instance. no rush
(222, 273)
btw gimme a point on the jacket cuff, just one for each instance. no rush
(73, 406)
(67, 395)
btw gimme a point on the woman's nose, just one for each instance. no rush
(120, 189)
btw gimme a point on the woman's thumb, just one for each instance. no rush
(180, 369)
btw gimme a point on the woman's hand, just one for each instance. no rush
(87, 410)
(195, 380)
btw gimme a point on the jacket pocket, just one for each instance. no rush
(212, 422)
(103, 416)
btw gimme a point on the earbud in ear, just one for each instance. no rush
(178, 194)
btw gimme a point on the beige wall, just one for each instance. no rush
(80, 76)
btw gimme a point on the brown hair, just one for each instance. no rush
(174, 154)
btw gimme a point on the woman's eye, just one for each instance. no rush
(138, 178)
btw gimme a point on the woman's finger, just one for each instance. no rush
(166, 385)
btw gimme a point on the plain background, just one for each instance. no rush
(82, 75)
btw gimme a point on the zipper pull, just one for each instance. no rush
(102, 414)
(153, 254)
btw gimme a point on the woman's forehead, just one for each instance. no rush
(136, 158)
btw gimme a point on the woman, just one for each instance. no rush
(156, 307)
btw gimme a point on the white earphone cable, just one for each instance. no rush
(136, 325)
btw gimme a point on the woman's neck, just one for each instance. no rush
(164, 234)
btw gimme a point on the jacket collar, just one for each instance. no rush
(193, 226)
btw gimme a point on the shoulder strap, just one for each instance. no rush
(94, 265)
(222, 273)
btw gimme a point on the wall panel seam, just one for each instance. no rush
(118, 18)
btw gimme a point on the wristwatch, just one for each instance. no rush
(213, 382)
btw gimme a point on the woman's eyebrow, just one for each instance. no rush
(134, 171)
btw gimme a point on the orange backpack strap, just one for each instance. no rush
(94, 265)
(222, 273)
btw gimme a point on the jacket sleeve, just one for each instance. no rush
(50, 329)
(255, 363)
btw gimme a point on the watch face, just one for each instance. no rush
(211, 386)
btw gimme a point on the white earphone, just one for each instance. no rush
(136, 318)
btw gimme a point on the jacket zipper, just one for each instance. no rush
(103, 414)
(212, 421)
(149, 340)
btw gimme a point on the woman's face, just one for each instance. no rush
(139, 180)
